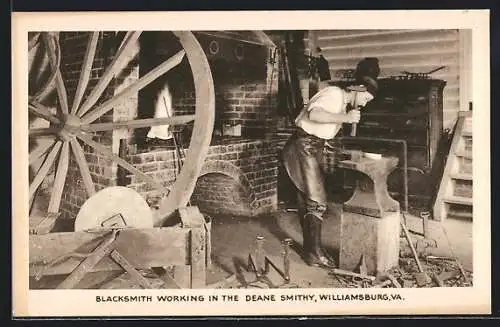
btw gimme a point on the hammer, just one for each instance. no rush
(353, 128)
(355, 88)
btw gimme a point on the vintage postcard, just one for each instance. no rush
(295, 163)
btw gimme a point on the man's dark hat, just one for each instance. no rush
(367, 72)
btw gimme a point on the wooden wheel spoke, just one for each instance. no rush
(42, 112)
(61, 89)
(139, 123)
(44, 131)
(106, 152)
(125, 41)
(60, 179)
(33, 41)
(84, 168)
(40, 149)
(44, 169)
(85, 71)
(135, 87)
(120, 56)
(49, 85)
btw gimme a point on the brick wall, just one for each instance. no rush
(250, 105)
(243, 170)
(245, 91)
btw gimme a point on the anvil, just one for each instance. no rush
(373, 201)
(370, 218)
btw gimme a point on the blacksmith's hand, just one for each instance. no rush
(353, 116)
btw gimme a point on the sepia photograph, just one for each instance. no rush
(271, 162)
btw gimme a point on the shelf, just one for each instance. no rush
(467, 133)
(460, 215)
(461, 176)
(458, 200)
(464, 154)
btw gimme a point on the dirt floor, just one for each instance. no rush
(233, 239)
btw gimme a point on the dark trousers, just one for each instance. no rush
(303, 157)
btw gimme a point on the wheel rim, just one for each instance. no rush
(76, 122)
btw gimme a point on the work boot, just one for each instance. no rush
(306, 237)
(313, 253)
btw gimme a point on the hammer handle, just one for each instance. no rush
(353, 129)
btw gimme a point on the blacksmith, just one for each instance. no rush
(319, 121)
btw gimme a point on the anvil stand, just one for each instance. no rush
(370, 221)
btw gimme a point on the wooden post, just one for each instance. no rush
(193, 219)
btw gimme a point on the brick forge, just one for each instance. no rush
(239, 176)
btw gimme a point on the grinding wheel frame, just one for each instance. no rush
(115, 206)
(72, 130)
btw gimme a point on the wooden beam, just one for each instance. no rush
(60, 179)
(43, 112)
(84, 168)
(85, 71)
(130, 269)
(44, 169)
(47, 88)
(127, 36)
(61, 89)
(40, 149)
(106, 152)
(44, 64)
(44, 131)
(165, 247)
(110, 72)
(139, 123)
(33, 41)
(265, 39)
(135, 87)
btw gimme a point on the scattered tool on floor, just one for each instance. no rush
(421, 276)
(426, 242)
(457, 261)
(255, 259)
(439, 282)
(348, 273)
(393, 280)
(261, 265)
(385, 283)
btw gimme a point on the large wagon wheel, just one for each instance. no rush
(76, 123)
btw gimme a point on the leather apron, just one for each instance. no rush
(303, 156)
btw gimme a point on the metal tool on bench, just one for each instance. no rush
(261, 265)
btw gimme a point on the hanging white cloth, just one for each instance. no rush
(163, 109)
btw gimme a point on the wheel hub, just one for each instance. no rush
(70, 126)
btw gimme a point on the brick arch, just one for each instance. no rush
(229, 169)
